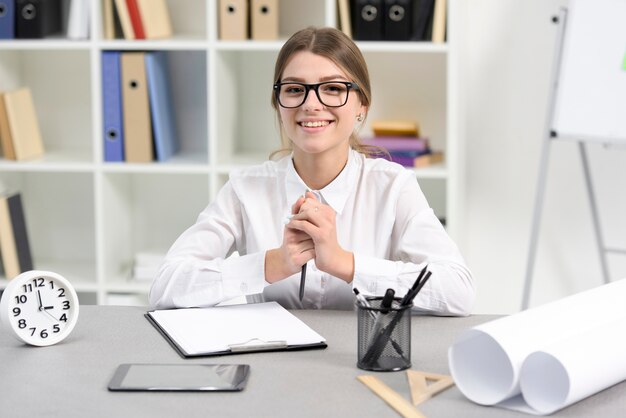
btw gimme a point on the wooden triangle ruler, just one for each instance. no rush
(393, 398)
(421, 390)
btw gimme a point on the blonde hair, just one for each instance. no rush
(334, 45)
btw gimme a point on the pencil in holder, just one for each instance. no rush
(384, 336)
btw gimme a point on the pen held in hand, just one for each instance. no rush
(302, 280)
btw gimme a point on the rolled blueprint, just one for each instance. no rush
(545, 358)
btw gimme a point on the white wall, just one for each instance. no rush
(506, 69)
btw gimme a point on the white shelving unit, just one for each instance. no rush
(87, 219)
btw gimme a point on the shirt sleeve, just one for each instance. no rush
(418, 239)
(199, 271)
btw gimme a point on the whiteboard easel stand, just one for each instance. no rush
(543, 169)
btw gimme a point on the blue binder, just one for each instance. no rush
(7, 19)
(161, 107)
(113, 132)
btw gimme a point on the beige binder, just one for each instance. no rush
(264, 19)
(138, 146)
(8, 249)
(233, 24)
(23, 124)
(155, 18)
(6, 139)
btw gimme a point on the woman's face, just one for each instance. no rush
(313, 127)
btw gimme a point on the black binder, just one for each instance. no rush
(398, 20)
(35, 19)
(367, 20)
(422, 20)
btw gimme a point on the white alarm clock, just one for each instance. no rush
(39, 307)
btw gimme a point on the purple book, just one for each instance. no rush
(398, 143)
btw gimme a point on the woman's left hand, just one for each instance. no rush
(318, 221)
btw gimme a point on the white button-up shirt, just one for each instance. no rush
(382, 217)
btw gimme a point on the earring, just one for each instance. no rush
(360, 117)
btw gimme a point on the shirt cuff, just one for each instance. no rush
(244, 275)
(374, 275)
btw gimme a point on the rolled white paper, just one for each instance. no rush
(487, 361)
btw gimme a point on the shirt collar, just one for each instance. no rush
(335, 194)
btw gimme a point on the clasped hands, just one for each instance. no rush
(310, 234)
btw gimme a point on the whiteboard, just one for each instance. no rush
(591, 88)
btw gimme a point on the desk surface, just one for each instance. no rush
(70, 379)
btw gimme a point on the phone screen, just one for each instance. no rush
(184, 377)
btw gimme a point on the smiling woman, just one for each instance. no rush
(356, 221)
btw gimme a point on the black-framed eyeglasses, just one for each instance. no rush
(329, 93)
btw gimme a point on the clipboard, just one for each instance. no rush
(234, 329)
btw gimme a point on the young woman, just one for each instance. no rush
(357, 222)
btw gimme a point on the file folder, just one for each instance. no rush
(264, 19)
(398, 19)
(367, 20)
(439, 22)
(121, 9)
(137, 123)
(112, 110)
(135, 19)
(233, 329)
(422, 17)
(14, 245)
(23, 124)
(7, 19)
(233, 24)
(6, 138)
(37, 18)
(161, 106)
(156, 18)
(78, 19)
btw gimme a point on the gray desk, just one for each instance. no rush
(70, 379)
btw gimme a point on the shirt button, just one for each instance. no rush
(243, 287)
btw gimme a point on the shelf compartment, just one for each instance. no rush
(60, 83)
(146, 212)
(59, 212)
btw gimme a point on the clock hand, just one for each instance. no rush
(48, 307)
(39, 299)
(51, 316)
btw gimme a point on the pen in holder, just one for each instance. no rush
(384, 339)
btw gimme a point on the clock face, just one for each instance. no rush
(40, 308)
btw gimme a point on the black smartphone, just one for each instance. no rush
(180, 377)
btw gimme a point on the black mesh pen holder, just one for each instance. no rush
(384, 336)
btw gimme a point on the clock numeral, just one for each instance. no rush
(56, 328)
(43, 333)
(21, 323)
(66, 305)
(63, 318)
(61, 292)
(21, 299)
(39, 282)
(17, 311)
(27, 287)
(51, 284)
(32, 331)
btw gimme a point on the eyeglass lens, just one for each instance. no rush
(331, 94)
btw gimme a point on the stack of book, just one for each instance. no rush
(14, 246)
(20, 137)
(402, 140)
(136, 19)
(138, 116)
